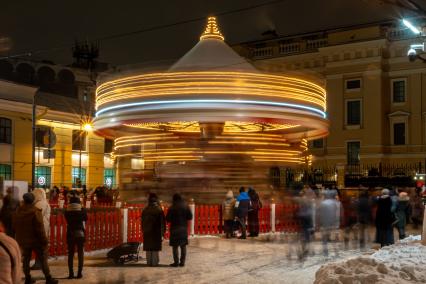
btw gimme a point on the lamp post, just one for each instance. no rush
(85, 127)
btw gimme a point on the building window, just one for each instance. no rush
(44, 136)
(318, 143)
(353, 149)
(5, 172)
(109, 178)
(108, 146)
(399, 133)
(43, 177)
(77, 179)
(398, 90)
(352, 85)
(79, 140)
(5, 130)
(353, 112)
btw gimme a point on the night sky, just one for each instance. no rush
(52, 25)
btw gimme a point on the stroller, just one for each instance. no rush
(125, 253)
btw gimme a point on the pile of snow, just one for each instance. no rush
(404, 262)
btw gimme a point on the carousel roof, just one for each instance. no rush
(211, 53)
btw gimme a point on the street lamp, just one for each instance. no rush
(413, 28)
(416, 50)
(86, 126)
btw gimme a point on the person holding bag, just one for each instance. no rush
(75, 216)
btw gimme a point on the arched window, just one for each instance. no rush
(25, 73)
(46, 77)
(5, 130)
(66, 77)
(6, 70)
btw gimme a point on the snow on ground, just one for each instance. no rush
(404, 262)
(264, 259)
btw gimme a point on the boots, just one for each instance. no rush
(50, 280)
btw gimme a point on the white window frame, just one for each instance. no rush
(353, 90)
(353, 126)
(405, 91)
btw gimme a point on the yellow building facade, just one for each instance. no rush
(65, 151)
(376, 97)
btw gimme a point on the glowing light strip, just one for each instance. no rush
(297, 106)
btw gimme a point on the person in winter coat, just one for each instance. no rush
(253, 214)
(402, 213)
(305, 215)
(75, 216)
(243, 207)
(30, 235)
(384, 219)
(417, 208)
(41, 203)
(228, 213)
(10, 205)
(153, 228)
(329, 217)
(364, 216)
(10, 259)
(178, 216)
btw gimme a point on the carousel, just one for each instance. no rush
(210, 123)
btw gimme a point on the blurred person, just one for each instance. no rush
(329, 218)
(178, 216)
(76, 216)
(402, 213)
(384, 219)
(153, 229)
(40, 202)
(364, 216)
(242, 207)
(417, 208)
(350, 209)
(253, 213)
(10, 259)
(305, 215)
(30, 235)
(10, 205)
(228, 214)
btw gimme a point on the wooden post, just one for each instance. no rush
(192, 222)
(272, 215)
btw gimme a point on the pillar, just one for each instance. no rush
(272, 215)
(192, 222)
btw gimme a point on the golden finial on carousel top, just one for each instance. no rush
(212, 30)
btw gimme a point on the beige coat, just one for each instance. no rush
(7, 275)
(41, 203)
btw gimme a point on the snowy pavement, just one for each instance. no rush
(213, 260)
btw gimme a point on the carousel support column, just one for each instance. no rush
(340, 176)
(192, 222)
(272, 215)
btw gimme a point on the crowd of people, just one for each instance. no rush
(24, 226)
(24, 230)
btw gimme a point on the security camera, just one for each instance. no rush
(412, 54)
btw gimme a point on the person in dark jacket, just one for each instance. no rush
(178, 216)
(10, 205)
(75, 216)
(402, 213)
(384, 219)
(253, 214)
(243, 207)
(153, 228)
(30, 235)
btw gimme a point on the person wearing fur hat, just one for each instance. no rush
(153, 228)
(402, 213)
(40, 202)
(228, 213)
(75, 216)
(384, 219)
(30, 235)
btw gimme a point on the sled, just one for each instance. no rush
(124, 253)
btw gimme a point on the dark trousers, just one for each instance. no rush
(229, 228)
(72, 243)
(243, 222)
(42, 254)
(182, 254)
